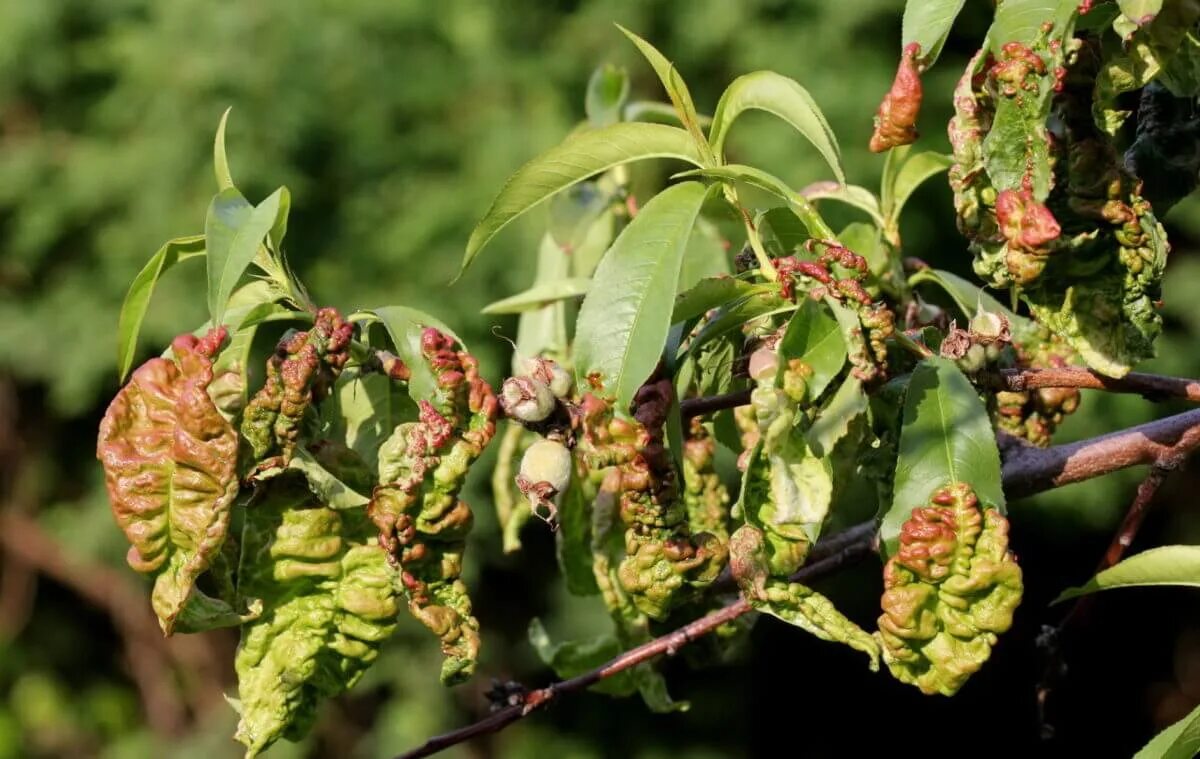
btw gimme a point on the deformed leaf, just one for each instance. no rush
(170, 463)
(814, 338)
(1166, 565)
(137, 300)
(623, 322)
(329, 601)
(833, 422)
(946, 438)
(405, 326)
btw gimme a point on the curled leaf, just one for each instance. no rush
(896, 119)
(949, 591)
(169, 462)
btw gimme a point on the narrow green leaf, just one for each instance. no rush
(1178, 741)
(783, 97)
(903, 173)
(607, 90)
(577, 158)
(573, 541)
(234, 232)
(969, 297)
(1166, 565)
(540, 295)
(814, 337)
(656, 112)
(946, 438)
(710, 293)
(571, 658)
(758, 178)
(544, 330)
(324, 484)
(279, 228)
(220, 160)
(404, 326)
(707, 255)
(927, 23)
(137, 299)
(623, 322)
(736, 313)
(850, 194)
(676, 89)
(833, 422)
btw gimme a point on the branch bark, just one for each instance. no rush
(1153, 387)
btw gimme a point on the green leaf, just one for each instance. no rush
(833, 422)
(363, 411)
(1178, 741)
(677, 91)
(736, 313)
(623, 322)
(572, 658)
(137, 300)
(1022, 20)
(850, 194)
(927, 23)
(903, 172)
(706, 256)
(607, 90)
(656, 112)
(544, 331)
(710, 293)
(234, 232)
(577, 158)
(324, 484)
(404, 326)
(539, 295)
(946, 438)
(782, 97)
(814, 337)
(758, 178)
(1140, 12)
(969, 297)
(573, 541)
(1166, 565)
(220, 160)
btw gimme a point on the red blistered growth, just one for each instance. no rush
(1085, 7)
(1024, 222)
(896, 119)
(1017, 69)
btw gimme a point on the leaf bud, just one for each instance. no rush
(526, 399)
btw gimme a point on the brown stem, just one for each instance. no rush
(707, 404)
(1152, 386)
(668, 644)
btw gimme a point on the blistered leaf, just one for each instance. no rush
(170, 463)
(406, 327)
(1166, 565)
(833, 421)
(896, 117)
(814, 338)
(1023, 20)
(623, 322)
(329, 600)
(137, 300)
(946, 437)
(579, 157)
(949, 591)
(782, 97)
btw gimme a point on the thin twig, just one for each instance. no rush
(1152, 386)
(668, 644)
(707, 404)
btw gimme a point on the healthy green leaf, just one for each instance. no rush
(1166, 565)
(623, 322)
(544, 331)
(1022, 20)
(577, 158)
(220, 160)
(814, 337)
(710, 293)
(903, 173)
(758, 178)
(927, 23)
(572, 658)
(850, 194)
(405, 325)
(946, 438)
(1178, 741)
(1140, 12)
(736, 313)
(606, 93)
(677, 90)
(324, 484)
(137, 300)
(706, 256)
(542, 294)
(783, 97)
(234, 233)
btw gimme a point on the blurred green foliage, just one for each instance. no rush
(393, 122)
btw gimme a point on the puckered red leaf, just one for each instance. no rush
(949, 591)
(329, 599)
(170, 466)
(416, 508)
